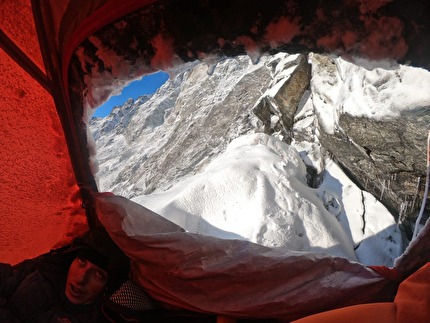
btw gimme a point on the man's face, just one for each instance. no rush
(85, 282)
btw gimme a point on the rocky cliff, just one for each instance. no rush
(379, 125)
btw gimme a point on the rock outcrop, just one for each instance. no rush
(385, 155)
(386, 158)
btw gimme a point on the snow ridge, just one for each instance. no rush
(194, 153)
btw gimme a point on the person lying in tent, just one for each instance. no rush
(65, 285)
(86, 281)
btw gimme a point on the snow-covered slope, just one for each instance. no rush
(256, 190)
(194, 153)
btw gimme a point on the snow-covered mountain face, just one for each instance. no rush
(196, 152)
(152, 144)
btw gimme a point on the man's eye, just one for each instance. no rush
(100, 275)
(82, 261)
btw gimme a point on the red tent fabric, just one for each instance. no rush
(45, 176)
(233, 277)
(40, 204)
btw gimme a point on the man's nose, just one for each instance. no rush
(83, 277)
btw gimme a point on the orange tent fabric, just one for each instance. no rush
(411, 304)
(413, 297)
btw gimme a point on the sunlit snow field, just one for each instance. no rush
(257, 190)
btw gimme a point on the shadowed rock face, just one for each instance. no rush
(386, 158)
